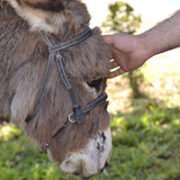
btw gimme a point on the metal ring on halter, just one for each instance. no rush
(71, 119)
(44, 148)
(47, 146)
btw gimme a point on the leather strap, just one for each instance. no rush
(93, 104)
(64, 45)
(54, 54)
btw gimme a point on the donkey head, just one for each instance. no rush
(80, 149)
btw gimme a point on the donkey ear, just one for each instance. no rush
(44, 5)
(46, 15)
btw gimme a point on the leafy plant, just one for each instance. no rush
(122, 19)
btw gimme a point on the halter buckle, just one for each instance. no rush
(44, 148)
(71, 118)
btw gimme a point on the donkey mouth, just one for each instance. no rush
(91, 160)
(83, 177)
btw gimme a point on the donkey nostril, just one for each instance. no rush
(77, 173)
(105, 166)
(86, 178)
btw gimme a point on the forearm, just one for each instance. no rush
(163, 37)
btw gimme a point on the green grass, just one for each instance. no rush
(146, 146)
(20, 159)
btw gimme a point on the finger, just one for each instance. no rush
(116, 73)
(117, 58)
(115, 53)
(114, 64)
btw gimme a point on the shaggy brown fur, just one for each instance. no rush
(23, 58)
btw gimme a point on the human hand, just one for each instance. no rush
(127, 51)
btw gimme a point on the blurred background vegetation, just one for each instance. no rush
(122, 19)
(145, 128)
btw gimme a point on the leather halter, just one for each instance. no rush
(78, 114)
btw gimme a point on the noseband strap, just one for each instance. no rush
(78, 114)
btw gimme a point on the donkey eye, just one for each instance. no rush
(95, 84)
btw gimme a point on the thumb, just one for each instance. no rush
(109, 39)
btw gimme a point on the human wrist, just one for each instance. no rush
(152, 43)
(142, 47)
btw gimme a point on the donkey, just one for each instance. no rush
(85, 149)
